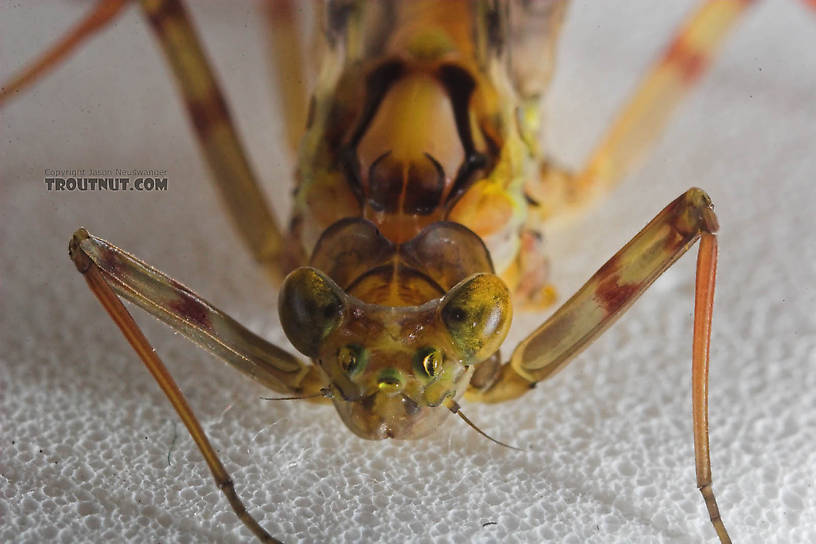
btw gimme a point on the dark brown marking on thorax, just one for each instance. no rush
(460, 85)
(396, 188)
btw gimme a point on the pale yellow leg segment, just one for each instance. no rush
(288, 60)
(222, 148)
(99, 285)
(641, 121)
(102, 14)
(608, 294)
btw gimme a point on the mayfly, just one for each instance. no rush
(421, 197)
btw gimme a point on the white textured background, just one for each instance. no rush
(85, 434)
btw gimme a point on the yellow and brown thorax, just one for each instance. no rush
(418, 117)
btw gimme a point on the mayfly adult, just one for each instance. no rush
(421, 199)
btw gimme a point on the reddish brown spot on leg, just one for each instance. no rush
(192, 310)
(682, 57)
(208, 112)
(612, 296)
(110, 263)
(164, 12)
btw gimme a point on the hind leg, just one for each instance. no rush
(641, 121)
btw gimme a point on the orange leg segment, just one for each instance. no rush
(703, 308)
(103, 13)
(199, 315)
(607, 295)
(140, 344)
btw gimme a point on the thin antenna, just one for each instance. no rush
(454, 407)
(322, 393)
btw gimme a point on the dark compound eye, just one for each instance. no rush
(428, 361)
(351, 358)
(477, 314)
(331, 310)
(310, 307)
(457, 314)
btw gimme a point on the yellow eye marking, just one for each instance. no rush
(429, 361)
(349, 358)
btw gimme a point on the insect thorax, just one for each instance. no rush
(418, 116)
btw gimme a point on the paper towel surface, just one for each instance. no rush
(91, 450)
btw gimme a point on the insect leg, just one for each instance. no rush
(217, 136)
(103, 13)
(641, 121)
(288, 61)
(533, 292)
(100, 284)
(194, 317)
(608, 294)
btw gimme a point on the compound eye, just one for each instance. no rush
(310, 307)
(477, 314)
(428, 362)
(352, 358)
